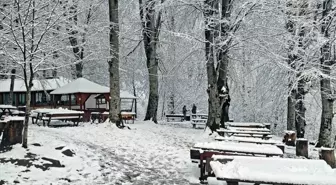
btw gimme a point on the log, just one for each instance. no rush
(302, 147)
(328, 155)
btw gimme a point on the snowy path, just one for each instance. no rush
(147, 154)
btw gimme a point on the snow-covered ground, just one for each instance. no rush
(147, 154)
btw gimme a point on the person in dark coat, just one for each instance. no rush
(184, 111)
(194, 109)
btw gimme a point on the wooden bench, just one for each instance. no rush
(64, 116)
(261, 170)
(203, 152)
(199, 116)
(247, 140)
(174, 117)
(126, 116)
(196, 122)
(242, 133)
(100, 116)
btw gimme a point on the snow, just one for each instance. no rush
(274, 170)
(242, 132)
(243, 124)
(290, 132)
(240, 147)
(247, 140)
(147, 154)
(38, 85)
(7, 107)
(249, 129)
(14, 118)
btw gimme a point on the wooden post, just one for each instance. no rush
(328, 155)
(302, 147)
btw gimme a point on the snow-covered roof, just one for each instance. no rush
(81, 85)
(38, 85)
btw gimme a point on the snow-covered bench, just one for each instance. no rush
(126, 116)
(247, 140)
(244, 133)
(74, 116)
(249, 129)
(261, 170)
(245, 124)
(174, 117)
(199, 116)
(197, 122)
(202, 152)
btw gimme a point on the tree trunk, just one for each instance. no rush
(325, 82)
(11, 93)
(114, 62)
(25, 128)
(151, 30)
(300, 117)
(291, 110)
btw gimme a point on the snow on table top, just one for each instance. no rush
(7, 107)
(247, 140)
(128, 113)
(290, 132)
(274, 170)
(240, 147)
(56, 111)
(244, 124)
(249, 129)
(242, 132)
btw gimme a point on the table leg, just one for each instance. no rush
(231, 183)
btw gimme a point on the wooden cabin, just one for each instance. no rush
(40, 94)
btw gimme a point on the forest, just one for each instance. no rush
(247, 60)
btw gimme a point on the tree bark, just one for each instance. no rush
(291, 110)
(114, 62)
(25, 128)
(300, 121)
(325, 82)
(150, 31)
(11, 93)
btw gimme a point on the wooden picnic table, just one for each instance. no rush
(204, 151)
(37, 114)
(6, 109)
(100, 116)
(261, 170)
(174, 117)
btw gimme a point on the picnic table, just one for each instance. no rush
(47, 115)
(126, 116)
(261, 170)
(175, 117)
(243, 133)
(204, 151)
(6, 109)
(100, 116)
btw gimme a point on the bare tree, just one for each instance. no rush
(325, 83)
(151, 23)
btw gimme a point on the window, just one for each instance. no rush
(5, 98)
(22, 99)
(40, 98)
(65, 100)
